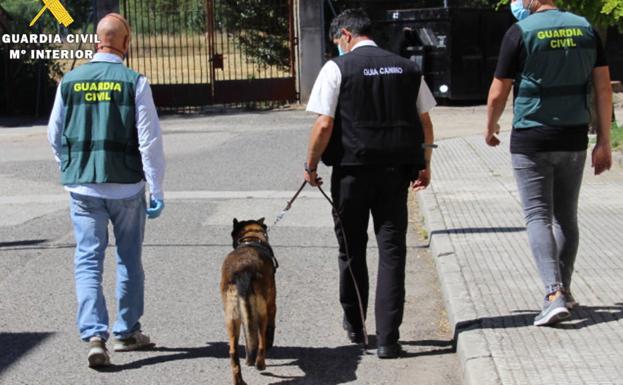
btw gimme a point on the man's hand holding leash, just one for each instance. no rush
(311, 176)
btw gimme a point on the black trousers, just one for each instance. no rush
(381, 190)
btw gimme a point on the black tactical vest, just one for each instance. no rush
(376, 120)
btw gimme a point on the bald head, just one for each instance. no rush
(113, 32)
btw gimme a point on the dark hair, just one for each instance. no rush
(354, 20)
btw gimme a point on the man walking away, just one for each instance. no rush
(554, 59)
(372, 126)
(105, 134)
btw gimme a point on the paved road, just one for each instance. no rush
(219, 167)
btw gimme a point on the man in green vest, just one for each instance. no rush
(554, 60)
(106, 138)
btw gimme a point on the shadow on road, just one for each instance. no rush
(581, 317)
(327, 366)
(29, 242)
(444, 347)
(15, 345)
(213, 350)
(479, 230)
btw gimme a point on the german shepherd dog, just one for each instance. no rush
(248, 292)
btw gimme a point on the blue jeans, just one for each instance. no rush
(90, 217)
(549, 187)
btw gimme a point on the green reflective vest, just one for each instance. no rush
(554, 86)
(100, 140)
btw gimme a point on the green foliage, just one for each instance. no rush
(614, 8)
(260, 27)
(165, 16)
(602, 13)
(26, 10)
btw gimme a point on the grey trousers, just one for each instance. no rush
(549, 187)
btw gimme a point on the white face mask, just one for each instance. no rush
(519, 11)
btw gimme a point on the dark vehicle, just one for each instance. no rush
(457, 48)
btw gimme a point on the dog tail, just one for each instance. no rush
(248, 312)
(243, 283)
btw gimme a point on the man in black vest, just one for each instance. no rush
(372, 126)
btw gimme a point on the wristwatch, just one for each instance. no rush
(309, 170)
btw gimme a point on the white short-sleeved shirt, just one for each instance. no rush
(326, 91)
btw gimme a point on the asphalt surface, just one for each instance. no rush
(219, 167)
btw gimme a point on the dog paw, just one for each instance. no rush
(251, 358)
(238, 380)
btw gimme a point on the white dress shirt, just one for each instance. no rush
(326, 91)
(149, 138)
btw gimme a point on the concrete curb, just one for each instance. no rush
(473, 350)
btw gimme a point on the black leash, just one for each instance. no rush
(288, 206)
(350, 270)
(348, 257)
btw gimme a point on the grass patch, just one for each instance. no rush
(181, 58)
(616, 136)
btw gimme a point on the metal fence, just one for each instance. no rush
(199, 53)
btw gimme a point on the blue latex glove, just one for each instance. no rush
(155, 208)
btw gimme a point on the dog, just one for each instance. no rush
(249, 294)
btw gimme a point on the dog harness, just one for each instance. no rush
(266, 251)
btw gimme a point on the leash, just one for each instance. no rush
(288, 206)
(348, 257)
(350, 270)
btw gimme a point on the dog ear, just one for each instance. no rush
(261, 220)
(235, 222)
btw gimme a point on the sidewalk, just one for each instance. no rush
(490, 283)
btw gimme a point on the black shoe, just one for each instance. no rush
(389, 351)
(355, 337)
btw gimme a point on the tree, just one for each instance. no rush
(601, 13)
(260, 27)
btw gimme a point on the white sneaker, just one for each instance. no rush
(136, 341)
(98, 354)
(553, 312)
